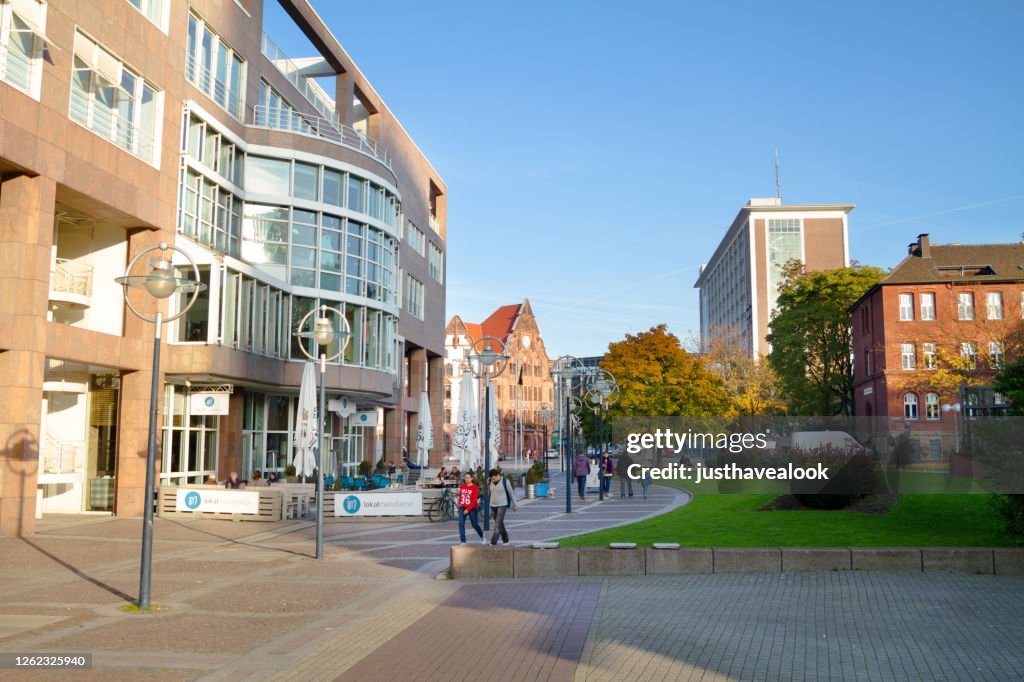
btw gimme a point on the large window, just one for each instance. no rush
(209, 213)
(274, 111)
(906, 307)
(267, 176)
(204, 144)
(435, 263)
(414, 296)
(21, 44)
(994, 305)
(189, 442)
(927, 306)
(931, 407)
(265, 235)
(965, 306)
(417, 240)
(785, 243)
(193, 325)
(213, 67)
(113, 101)
(969, 353)
(931, 356)
(910, 406)
(909, 356)
(995, 354)
(152, 9)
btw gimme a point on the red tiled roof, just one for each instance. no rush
(501, 321)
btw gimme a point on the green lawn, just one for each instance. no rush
(732, 520)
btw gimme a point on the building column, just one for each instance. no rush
(26, 239)
(393, 433)
(435, 392)
(417, 384)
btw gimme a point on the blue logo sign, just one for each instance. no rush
(209, 401)
(351, 504)
(363, 417)
(193, 500)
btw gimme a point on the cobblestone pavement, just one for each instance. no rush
(244, 601)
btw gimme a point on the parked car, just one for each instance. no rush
(551, 454)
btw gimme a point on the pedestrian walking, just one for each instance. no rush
(622, 471)
(645, 480)
(501, 498)
(469, 496)
(607, 471)
(581, 469)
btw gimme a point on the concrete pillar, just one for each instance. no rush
(435, 392)
(393, 420)
(26, 237)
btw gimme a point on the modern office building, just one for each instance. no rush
(524, 391)
(127, 123)
(739, 285)
(932, 334)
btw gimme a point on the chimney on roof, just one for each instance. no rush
(921, 248)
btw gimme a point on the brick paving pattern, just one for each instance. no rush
(500, 632)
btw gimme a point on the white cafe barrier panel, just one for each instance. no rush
(378, 504)
(222, 501)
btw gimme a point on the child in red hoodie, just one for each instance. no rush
(469, 494)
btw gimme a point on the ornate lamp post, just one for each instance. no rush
(602, 392)
(955, 408)
(323, 334)
(486, 364)
(160, 282)
(544, 414)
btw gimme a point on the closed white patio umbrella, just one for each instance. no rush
(424, 432)
(307, 429)
(466, 441)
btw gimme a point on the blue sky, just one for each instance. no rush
(596, 152)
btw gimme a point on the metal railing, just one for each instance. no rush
(71, 277)
(109, 124)
(280, 118)
(290, 70)
(216, 89)
(434, 223)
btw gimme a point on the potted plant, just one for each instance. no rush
(540, 473)
(289, 474)
(531, 483)
(365, 468)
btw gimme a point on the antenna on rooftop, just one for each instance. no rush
(778, 186)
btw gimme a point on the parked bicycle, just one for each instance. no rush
(443, 507)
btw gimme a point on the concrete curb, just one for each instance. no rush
(472, 562)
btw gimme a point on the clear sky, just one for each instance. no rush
(596, 152)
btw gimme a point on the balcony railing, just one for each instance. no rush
(279, 118)
(221, 93)
(434, 223)
(71, 282)
(109, 124)
(290, 70)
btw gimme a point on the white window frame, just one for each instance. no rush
(205, 78)
(155, 10)
(909, 356)
(910, 406)
(32, 14)
(965, 305)
(995, 354)
(931, 355)
(927, 311)
(968, 349)
(106, 73)
(414, 297)
(906, 307)
(932, 410)
(994, 305)
(435, 262)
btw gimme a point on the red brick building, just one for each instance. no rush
(931, 335)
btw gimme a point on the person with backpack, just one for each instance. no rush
(469, 495)
(501, 498)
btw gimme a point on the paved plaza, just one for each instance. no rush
(245, 601)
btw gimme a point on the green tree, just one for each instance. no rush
(657, 377)
(811, 336)
(1010, 382)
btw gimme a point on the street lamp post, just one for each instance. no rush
(161, 283)
(489, 364)
(602, 392)
(323, 334)
(563, 371)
